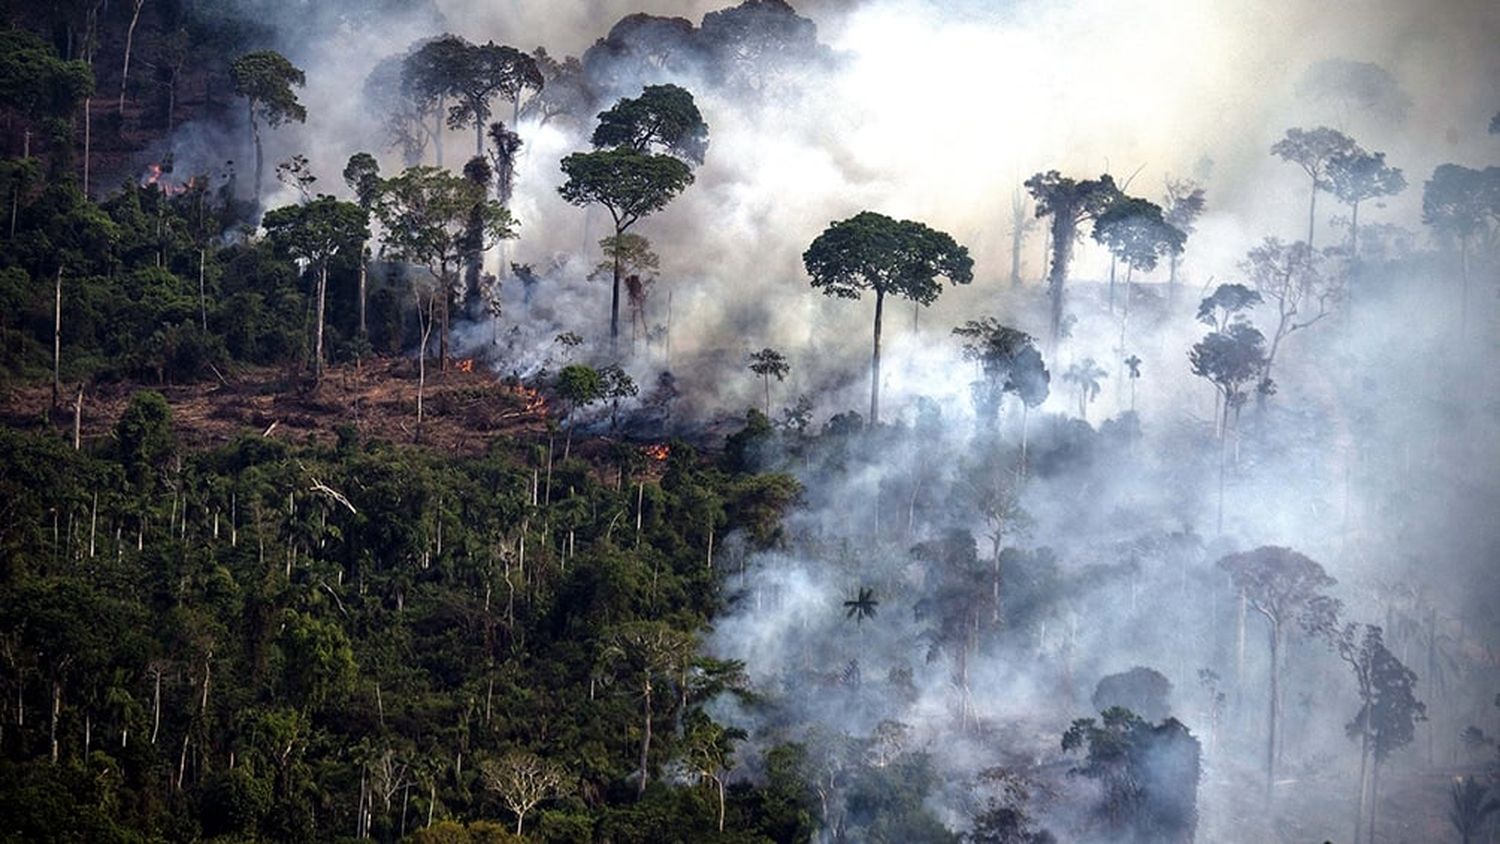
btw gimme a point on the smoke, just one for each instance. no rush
(1376, 457)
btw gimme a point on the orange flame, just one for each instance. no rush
(466, 365)
(657, 451)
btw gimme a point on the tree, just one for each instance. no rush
(1148, 773)
(708, 752)
(480, 72)
(1227, 304)
(427, 80)
(638, 264)
(1069, 203)
(1462, 203)
(1144, 691)
(1230, 359)
(523, 780)
(630, 185)
(1388, 714)
(565, 90)
(1286, 588)
(1293, 279)
(645, 652)
(436, 219)
(1086, 374)
(362, 175)
(1472, 803)
(862, 606)
(505, 146)
(1355, 177)
(871, 251)
(1008, 361)
(663, 118)
(1314, 150)
(265, 79)
(1135, 232)
(1388, 707)
(316, 233)
(1182, 205)
(580, 386)
(767, 363)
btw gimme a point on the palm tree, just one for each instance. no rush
(1472, 805)
(1086, 374)
(862, 606)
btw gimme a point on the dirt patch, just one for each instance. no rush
(462, 411)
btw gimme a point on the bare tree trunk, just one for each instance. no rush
(318, 343)
(645, 737)
(129, 43)
(1364, 784)
(203, 296)
(875, 362)
(78, 444)
(1312, 207)
(260, 157)
(57, 339)
(1274, 716)
(88, 130)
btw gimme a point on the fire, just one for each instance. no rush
(466, 365)
(657, 451)
(153, 177)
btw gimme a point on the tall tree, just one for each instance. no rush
(630, 185)
(871, 251)
(362, 175)
(1313, 150)
(1182, 205)
(1294, 280)
(523, 780)
(1008, 361)
(266, 79)
(1135, 232)
(646, 653)
(1355, 177)
(431, 218)
(315, 233)
(1069, 202)
(1464, 204)
(1288, 590)
(663, 118)
(482, 72)
(768, 363)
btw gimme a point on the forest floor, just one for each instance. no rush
(464, 408)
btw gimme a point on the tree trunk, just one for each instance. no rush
(129, 42)
(318, 343)
(56, 710)
(1374, 797)
(645, 738)
(1062, 252)
(719, 781)
(875, 361)
(437, 134)
(1274, 716)
(1364, 784)
(57, 339)
(202, 295)
(88, 130)
(260, 157)
(1312, 207)
(364, 331)
(614, 301)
